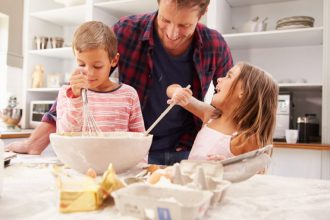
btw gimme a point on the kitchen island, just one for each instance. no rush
(30, 192)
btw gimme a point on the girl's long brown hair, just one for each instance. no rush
(255, 115)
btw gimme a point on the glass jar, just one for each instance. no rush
(308, 128)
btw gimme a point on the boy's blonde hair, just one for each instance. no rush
(95, 34)
(255, 115)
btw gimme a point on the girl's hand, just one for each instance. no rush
(78, 81)
(180, 96)
(216, 157)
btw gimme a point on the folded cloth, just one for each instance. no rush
(245, 169)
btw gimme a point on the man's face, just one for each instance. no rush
(175, 26)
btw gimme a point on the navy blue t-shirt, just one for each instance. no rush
(168, 70)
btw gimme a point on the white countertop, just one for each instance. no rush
(29, 192)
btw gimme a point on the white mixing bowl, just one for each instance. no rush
(123, 149)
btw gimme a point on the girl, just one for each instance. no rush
(241, 116)
(115, 107)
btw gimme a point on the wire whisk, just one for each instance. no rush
(90, 127)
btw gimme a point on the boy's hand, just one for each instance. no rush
(180, 96)
(77, 82)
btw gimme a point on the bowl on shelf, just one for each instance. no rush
(11, 117)
(295, 22)
(123, 149)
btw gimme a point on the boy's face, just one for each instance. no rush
(175, 26)
(96, 65)
(220, 99)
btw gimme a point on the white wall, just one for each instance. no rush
(4, 22)
(14, 79)
(14, 9)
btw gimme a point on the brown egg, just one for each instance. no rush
(91, 173)
(155, 176)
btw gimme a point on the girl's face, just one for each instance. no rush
(175, 26)
(96, 65)
(220, 99)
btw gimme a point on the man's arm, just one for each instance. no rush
(36, 143)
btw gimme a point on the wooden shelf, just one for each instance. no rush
(276, 38)
(67, 16)
(120, 8)
(62, 53)
(24, 133)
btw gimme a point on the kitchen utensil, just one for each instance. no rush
(161, 116)
(291, 136)
(308, 127)
(56, 42)
(249, 26)
(295, 22)
(11, 115)
(40, 42)
(90, 127)
(123, 149)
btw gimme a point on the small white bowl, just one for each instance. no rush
(123, 149)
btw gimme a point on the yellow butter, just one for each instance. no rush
(84, 193)
(79, 195)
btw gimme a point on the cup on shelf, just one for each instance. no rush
(291, 136)
(40, 42)
(56, 42)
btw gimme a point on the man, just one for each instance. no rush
(157, 50)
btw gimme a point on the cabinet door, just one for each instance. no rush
(296, 163)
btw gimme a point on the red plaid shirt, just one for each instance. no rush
(211, 56)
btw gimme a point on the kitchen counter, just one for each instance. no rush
(25, 133)
(30, 193)
(306, 146)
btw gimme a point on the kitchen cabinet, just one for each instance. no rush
(297, 58)
(300, 160)
(46, 18)
(296, 163)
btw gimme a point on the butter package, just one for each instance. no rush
(79, 195)
(84, 193)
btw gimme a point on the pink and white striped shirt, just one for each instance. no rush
(117, 110)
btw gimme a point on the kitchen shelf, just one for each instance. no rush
(120, 8)
(67, 16)
(240, 3)
(276, 38)
(300, 86)
(62, 53)
(45, 90)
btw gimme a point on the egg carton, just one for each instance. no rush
(207, 176)
(152, 202)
